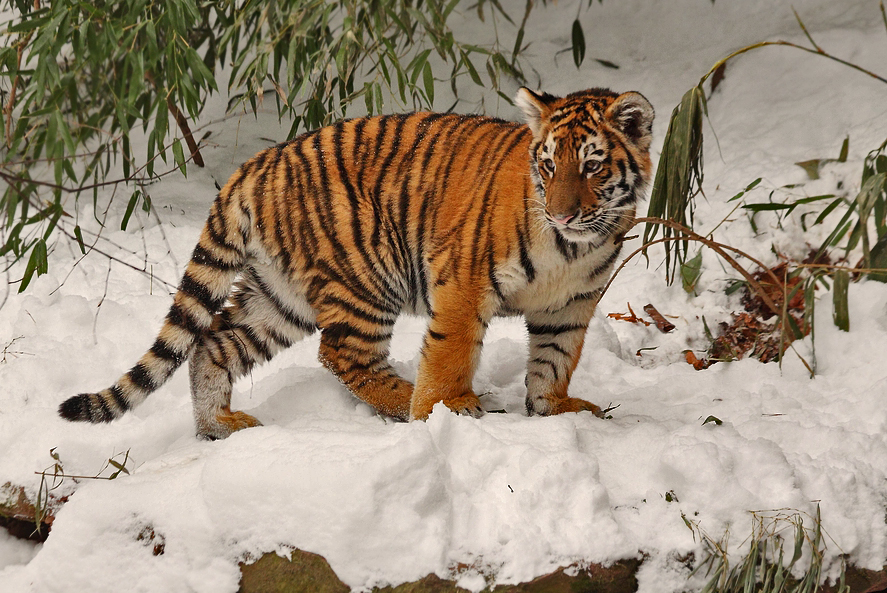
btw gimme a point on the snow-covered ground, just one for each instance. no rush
(509, 496)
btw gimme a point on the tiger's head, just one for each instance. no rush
(589, 159)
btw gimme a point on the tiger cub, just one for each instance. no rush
(458, 217)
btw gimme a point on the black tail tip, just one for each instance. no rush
(80, 409)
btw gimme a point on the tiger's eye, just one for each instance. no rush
(591, 167)
(547, 165)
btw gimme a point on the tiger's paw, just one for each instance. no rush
(549, 406)
(225, 423)
(466, 404)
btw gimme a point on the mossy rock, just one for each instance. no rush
(311, 573)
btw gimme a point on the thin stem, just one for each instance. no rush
(789, 44)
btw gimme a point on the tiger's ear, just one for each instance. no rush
(633, 115)
(535, 106)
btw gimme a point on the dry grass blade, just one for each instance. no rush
(719, 248)
(765, 568)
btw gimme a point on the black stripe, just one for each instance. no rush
(336, 333)
(107, 415)
(162, 350)
(555, 329)
(119, 399)
(353, 285)
(525, 261)
(218, 235)
(202, 256)
(491, 172)
(632, 164)
(554, 347)
(280, 339)
(568, 250)
(141, 377)
(201, 293)
(257, 342)
(548, 363)
(611, 259)
(358, 213)
(76, 408)
(229, 337)
(178, 317)
(327, 225)
(291, 317)
(491, 273)
(584, 296)
(331, 299)
(436, 335)
(394, 151)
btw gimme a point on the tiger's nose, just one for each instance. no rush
(564, 218)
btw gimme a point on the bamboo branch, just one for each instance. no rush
(181, 121)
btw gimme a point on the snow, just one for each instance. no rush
(507, 496)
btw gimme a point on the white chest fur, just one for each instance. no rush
(555, 278)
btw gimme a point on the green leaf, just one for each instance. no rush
(811, 167)
(133, 200)
(65, 133)
(120, 468)
(845, 148)
(417, 65)
(429, 83)
(768, 206)
(578, 43)
(179, 155)
(691, 270)
(840, 288)
(714, 419)
(679, 171)
(828, 210)
(79, 236)
(36, 263)
(69, 169)
(31, 23)
(472, 72)
(126, 156)
(607, 63)
(879, 260)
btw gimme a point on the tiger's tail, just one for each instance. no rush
(219, 255)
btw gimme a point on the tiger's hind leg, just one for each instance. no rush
(354, 346)
(266, 314)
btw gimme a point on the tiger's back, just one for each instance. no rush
(344, 228)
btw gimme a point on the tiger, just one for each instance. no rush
(460, 218)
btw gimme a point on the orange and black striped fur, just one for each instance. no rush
(457, 217)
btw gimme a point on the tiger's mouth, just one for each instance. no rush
(594, 227)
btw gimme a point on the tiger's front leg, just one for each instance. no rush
(556, 339)
(450, 353)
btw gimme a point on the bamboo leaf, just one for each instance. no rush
(578, 43)
(133, 200)
(840, 287)
(429, 83)
(179, 156)
(691, 270)
(607, 63)
(37, 262)
(811, 167)
(845, 149)
(79, 236)
(879, 260)
(679, 170)
(472, 72)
